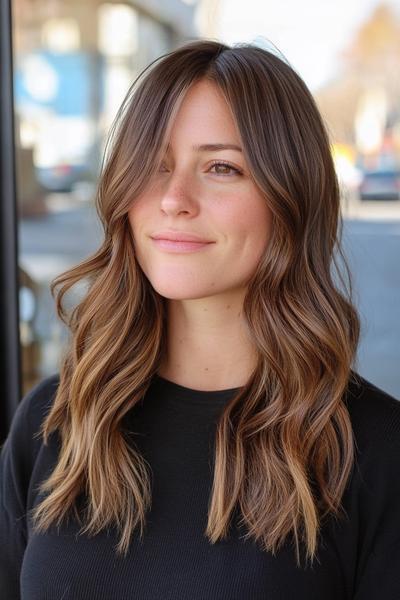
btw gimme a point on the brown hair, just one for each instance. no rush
(284, 442)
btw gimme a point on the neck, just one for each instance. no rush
(208, 346)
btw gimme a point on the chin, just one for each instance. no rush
(178, 294)
(178, 290)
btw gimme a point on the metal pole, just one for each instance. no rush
(10, 362)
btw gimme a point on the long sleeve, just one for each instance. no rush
(381, 578)
(174, 430)
(380, 575)
(378, 501)
(12, 508)
(17, 458)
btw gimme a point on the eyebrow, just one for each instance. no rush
(216, 147)
(213, 147)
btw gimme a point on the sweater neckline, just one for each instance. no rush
(193, 395)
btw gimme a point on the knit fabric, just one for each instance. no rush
(174, 428)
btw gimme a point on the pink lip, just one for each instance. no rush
(180, 246)
(178, 236)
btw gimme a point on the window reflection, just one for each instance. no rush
(73, 64)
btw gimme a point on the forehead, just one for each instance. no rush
(204, 116)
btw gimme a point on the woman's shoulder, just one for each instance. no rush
(375, 420)
(374, 414)
(33, 408)
(372, 500)
(20, 450)
(37, 401)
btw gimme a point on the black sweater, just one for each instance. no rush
(359, 557)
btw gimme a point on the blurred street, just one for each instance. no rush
(71, 231)
(373, 250)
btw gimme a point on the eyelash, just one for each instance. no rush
(225, 164)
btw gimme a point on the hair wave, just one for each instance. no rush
(284, 444)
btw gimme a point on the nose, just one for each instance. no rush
(178, 197)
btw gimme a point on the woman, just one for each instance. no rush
(207, 436)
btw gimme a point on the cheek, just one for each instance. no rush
(262, 228)
(137, 217)
(135, 220)
(251, 226)
(256, 233)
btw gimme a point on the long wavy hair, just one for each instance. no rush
(284, 447)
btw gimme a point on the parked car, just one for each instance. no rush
(62, 177)
(380, 185)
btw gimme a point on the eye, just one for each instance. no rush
(225, 168)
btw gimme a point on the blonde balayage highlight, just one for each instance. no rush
(284, 446)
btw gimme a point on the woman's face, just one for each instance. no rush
(195, 194)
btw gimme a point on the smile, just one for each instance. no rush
(179, 246)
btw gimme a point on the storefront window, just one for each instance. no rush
(73, 64)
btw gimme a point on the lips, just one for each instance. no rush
(180, 241)
(180, 236)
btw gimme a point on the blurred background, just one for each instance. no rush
(73, 63)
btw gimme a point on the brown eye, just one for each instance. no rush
(223, 168)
